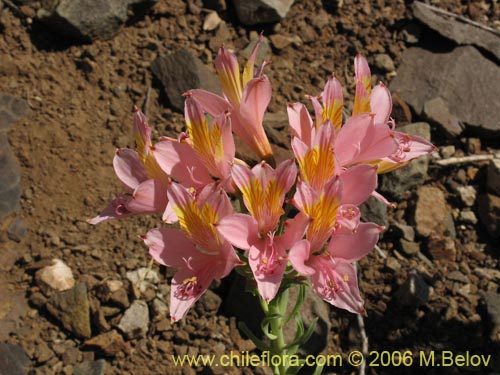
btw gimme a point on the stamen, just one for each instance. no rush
(188, 289)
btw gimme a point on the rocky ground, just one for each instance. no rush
(69, 78)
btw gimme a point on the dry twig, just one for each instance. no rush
(145, 105)
(364, 336)
(466, 159)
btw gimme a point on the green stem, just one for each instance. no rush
(277, 345)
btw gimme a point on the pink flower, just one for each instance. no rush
(145, 182)
(246, 98)
(335, 205)
(198, 252)
(263, 190)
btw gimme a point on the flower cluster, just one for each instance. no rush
(190, 180)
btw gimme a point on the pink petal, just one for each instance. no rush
(264, 173)
(239, 229)
(305, 196)
(413, 146)
(353, 138)
(358, 183)
(211, 103)
(382, 144)
(286, 174)
(248, 122)
(181, 162)
(142, 132)
(349, 299)
(217, 199)
(354, 246)
(226, 261)
(299, 255)
(225, 163)
(179, 302)
(242, 176)
(381, 103)
(149, 197)
(129, 168)
(301, 125)
(294, 231)
(332, 98)
(318, 111)
(169, 216)
(169, 247)
(347, 219)
(228, 70)
(268, 283)
(116, 209)
(300, 149)
(361, 68)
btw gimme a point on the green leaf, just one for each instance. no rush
(264, 326)
(298, 304)
(258, 342)
(318, 370)
(310, 330)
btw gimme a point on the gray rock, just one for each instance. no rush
(447, 151)
(467, 217)
(135, 321)
(489, 213)
(432, 216)
(408, 247)
(436, 111)
(411, 32)
(210, 302)
(254, 12)
(72, 309)
(414, 292)
(182, 71)
(442, 248)
(396, 183)
(13, 360)
(17, 229)
(459, 32)
(11, 109)
(374, 210)
(461, 77)
(86, 20)
(405, 231)
(160, 309)
(384, 62)
(492, 301)
(493, 176)
(467, 195)
(91, 368)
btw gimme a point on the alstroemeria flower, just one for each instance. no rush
(317, 161)
(198, 252)
(144, 180)
(332, 275)
(363, 86)
(246, 97)
(333, 100)
(263, 190)
(335, 206)
(213, 142)
(379, 102)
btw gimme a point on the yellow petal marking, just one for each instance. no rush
(317, 166)
(198, 225)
